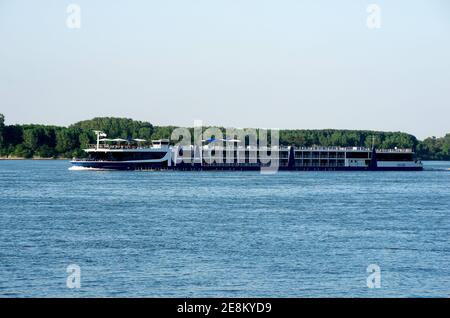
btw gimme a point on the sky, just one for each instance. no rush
(234, 63)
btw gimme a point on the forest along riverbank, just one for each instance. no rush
(44, 141)
(33, 158)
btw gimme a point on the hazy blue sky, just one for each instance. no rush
(243, 63)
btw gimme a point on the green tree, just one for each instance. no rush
(21, 151)
(67, 140)
(31, 138)
(433, 148)
(12, 135)
(85, 138)
(446, 146)
(45, 151)
(2, 127)
(117, 127)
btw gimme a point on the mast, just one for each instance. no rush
(99, 134)
(373, 165)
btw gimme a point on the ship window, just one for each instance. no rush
(395, 156)
(357, 155)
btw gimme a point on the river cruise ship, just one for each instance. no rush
(121, 154)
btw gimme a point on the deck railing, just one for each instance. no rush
(106, 146)
(253, 148)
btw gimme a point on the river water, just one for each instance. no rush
(230, 234)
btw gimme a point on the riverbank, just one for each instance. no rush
(33, 158)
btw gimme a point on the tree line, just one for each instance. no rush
(28, 141)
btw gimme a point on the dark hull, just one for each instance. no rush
(243, 168)
(189, 167)
(104, 165)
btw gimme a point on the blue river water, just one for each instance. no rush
(228, 234)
